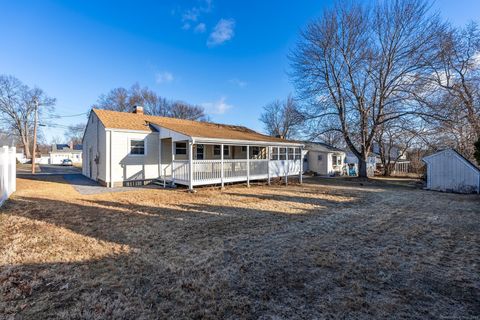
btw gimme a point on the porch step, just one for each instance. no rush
(167, 184)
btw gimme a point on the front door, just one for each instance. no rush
(200, 153)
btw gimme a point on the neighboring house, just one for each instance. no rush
(449, 171)
(61, 152)
(395, 153)
(20, 155)
(372, 161)
(122, 148)
(323, 159)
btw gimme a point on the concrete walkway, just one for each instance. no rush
(85, 186)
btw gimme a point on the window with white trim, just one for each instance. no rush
(283, 154)
(298, 153)
(216, 149)
(274, 153)
(336, 160)
(226, 151)
(180, 148)
(137, 147)
(290, 154)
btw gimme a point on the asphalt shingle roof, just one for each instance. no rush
(198, 129)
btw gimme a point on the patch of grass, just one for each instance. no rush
(329, 248)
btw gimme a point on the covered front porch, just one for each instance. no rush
(195, 162)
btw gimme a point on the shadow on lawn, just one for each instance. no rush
(204, 261)
(190, 262)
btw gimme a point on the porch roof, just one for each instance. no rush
(195, 129)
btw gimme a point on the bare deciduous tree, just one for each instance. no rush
(393, 139)
(121, 99)
(358, 67)
(17, 106)
(75, 133)
(182, 110)
(476, 153)
(282, 118)
(454, 87)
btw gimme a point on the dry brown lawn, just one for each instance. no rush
(325, 249)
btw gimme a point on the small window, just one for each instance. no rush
(180, 148)
(226, 150)
(137, 147)
(320, 158)
(283, 154)
(216, 150)
(255, 151)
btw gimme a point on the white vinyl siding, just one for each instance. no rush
(448, 171)
(127, 166)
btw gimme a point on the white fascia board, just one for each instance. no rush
(169, 133)
(244, 142)
(129, 131)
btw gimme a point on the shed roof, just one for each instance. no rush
(141, 122)
(470, 163)
(323, 147)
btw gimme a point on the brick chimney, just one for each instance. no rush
(138, 109)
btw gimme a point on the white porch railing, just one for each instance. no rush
(7, 173)
(401, 167)
(236, 170)
(180, 171)
(207, 170)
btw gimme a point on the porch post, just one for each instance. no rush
(285, 166)
(160, 173)
(190, 165)
(221, 165)
(268, 163)
(248, 166)
(301, 165)
(173, 166)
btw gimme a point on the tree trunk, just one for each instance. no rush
(26, 147)
(387, 170)
(362, 167)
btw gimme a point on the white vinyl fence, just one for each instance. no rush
(7, 173)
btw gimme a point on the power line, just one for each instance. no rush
(66, 116)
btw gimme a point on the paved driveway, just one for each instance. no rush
(73, 176)
(57, 169)
(47, 169)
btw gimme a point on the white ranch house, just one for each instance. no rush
(121, 149)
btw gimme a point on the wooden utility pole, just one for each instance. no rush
(34, 136)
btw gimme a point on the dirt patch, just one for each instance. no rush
(327, 248)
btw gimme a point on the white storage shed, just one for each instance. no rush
(449, 171)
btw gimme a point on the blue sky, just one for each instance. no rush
(229, 56)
